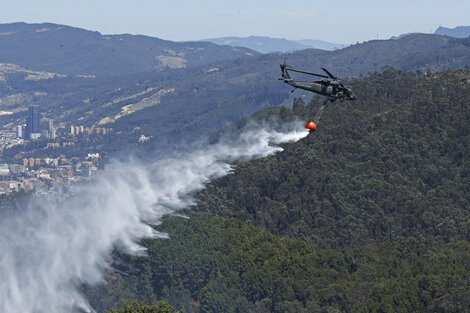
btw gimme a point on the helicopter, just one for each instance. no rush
(329, 87)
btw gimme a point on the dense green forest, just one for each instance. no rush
(393, 163)
(162, 307)
(224, 265)
(367, 214)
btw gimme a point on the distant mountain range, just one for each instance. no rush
(267, 44)
(402, 35)
(457, 32)
(186, 104)
(69, 50)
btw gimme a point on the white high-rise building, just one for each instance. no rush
(19, 131)
(50, 129)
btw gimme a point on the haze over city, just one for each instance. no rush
(341, 21)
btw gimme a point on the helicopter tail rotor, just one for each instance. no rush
(284, 68)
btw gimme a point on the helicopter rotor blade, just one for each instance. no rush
(299, 71)
(329, 74)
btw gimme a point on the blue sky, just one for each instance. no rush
(339, 21)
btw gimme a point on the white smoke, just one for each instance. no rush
(51, 248)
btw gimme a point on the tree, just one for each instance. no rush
(136, 307)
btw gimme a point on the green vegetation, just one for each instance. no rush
(368, 214)
(219, 265)
(394, 163)
(135, 307)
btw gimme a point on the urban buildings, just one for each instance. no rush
(32, 123)
(20, 131)
(32, 128)
(50, 129)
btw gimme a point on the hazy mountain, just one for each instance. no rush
(267, 44)
(457, 32)
(69, 50)
(320, 44)
(211, 97)
(410, 53)
(183, 105)
(403, 35)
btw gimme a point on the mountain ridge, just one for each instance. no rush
(371, 171)
(209, 97)
(457, 32)
(266, 44)
(368, 212)
(71, 50)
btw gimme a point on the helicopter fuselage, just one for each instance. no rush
(327, 89)
(320, 88)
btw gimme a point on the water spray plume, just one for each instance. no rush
(51, 248)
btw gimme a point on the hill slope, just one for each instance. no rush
(183, 105)
(68, 50)
(267, 44)
(220, 94)
(394, 163)
(383, 181)
(458, 32)
(214, 265)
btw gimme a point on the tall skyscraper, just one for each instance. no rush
(32, 123)
(50, 125)
(50, 128)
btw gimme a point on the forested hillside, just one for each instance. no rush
(367, 214)
(217, 265)
(393, 163)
